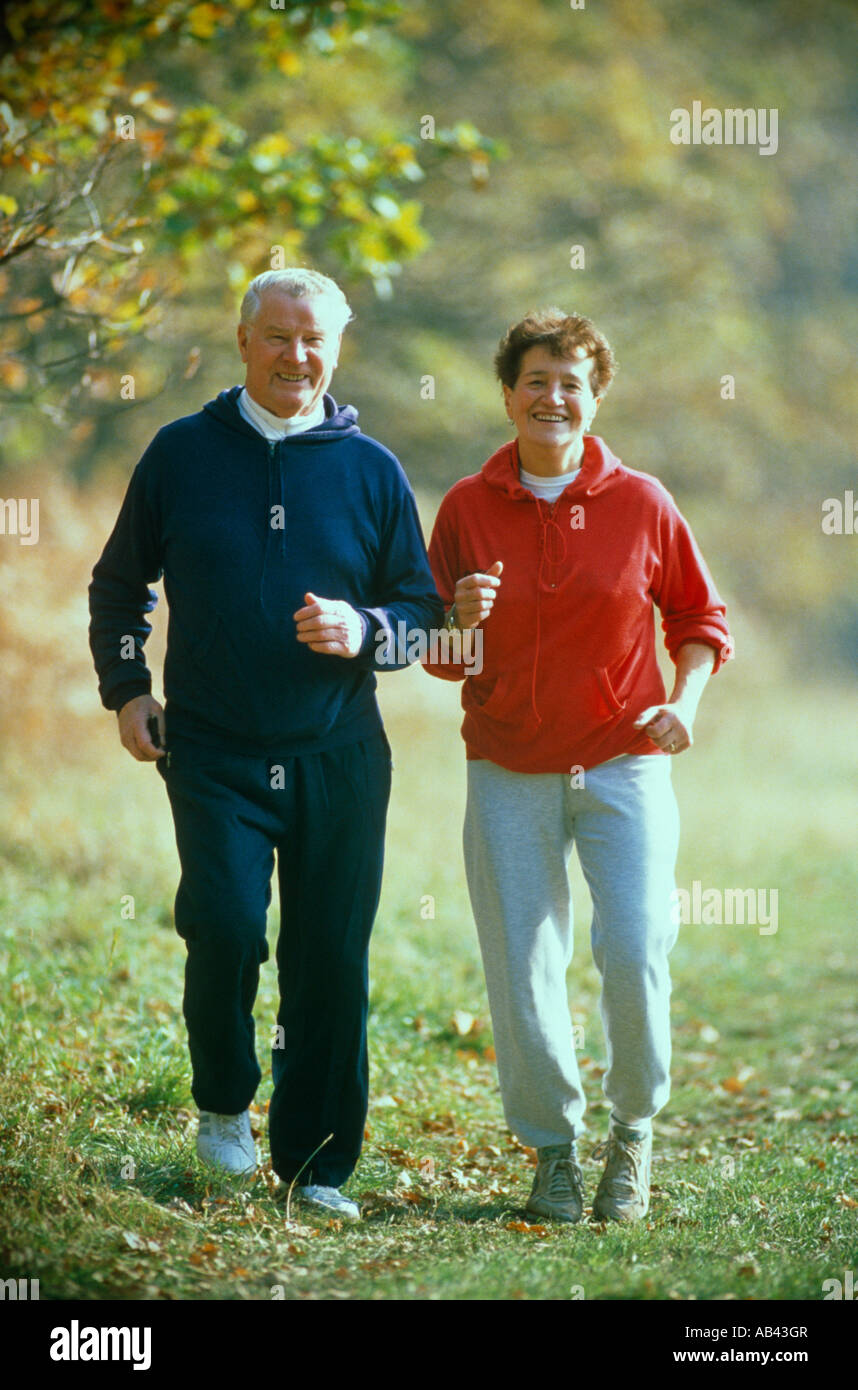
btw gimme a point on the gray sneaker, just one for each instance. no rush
(225, 1141)
(331, 1201)
(558, 1187)
(623, 1191)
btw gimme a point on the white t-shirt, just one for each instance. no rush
(277, 426)
(548, 488)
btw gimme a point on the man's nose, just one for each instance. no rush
(294, 351)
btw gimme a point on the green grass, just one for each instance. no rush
(754, 1184)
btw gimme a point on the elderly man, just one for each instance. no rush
(289, 542)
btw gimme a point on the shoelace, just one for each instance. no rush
(564, 1176)
(232, 1129)
(614, 1150)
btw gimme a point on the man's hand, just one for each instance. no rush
(133, 732)
(329, 625)
(475, 595)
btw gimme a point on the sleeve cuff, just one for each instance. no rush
(121, 694)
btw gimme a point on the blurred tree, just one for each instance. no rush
(699, 262)
(117, 179)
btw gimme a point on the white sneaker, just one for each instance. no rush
(331, 1200)
(226, 1141)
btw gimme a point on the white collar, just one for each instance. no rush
(277, 426)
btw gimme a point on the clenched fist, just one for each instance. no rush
(329, 625)
(133, 719)
(475, 596)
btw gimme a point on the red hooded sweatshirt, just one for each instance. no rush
(569, 657)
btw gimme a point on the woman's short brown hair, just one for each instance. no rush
(564, 335)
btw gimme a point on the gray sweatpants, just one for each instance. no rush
(519, 831)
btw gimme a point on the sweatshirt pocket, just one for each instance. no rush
(207, 673)
(607, 695)
(200, 649)
(487, 697)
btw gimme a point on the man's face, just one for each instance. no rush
(552, 402)
(291, 350)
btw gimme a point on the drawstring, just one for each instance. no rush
(551, 538)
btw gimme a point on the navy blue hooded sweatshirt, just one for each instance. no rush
(241, 529)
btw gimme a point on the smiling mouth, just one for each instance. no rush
(551, 419)
(292, 376)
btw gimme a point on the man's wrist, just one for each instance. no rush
(119, 697)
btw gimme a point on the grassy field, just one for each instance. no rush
(755, 1193)
(755, 1176)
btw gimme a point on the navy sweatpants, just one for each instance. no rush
(324, 815)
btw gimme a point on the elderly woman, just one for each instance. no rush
(559, 552)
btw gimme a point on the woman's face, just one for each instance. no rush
(552, 403)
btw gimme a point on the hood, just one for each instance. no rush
(339, 423)
(599, 468)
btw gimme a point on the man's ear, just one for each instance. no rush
(241, 334)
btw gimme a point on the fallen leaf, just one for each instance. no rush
(440, 1124)
(524, 1228)
(733, 1085)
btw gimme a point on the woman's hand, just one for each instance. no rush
(669, 726)
(475, 596)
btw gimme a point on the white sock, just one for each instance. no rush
(645, 1125)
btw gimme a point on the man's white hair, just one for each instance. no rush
(300, 284)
